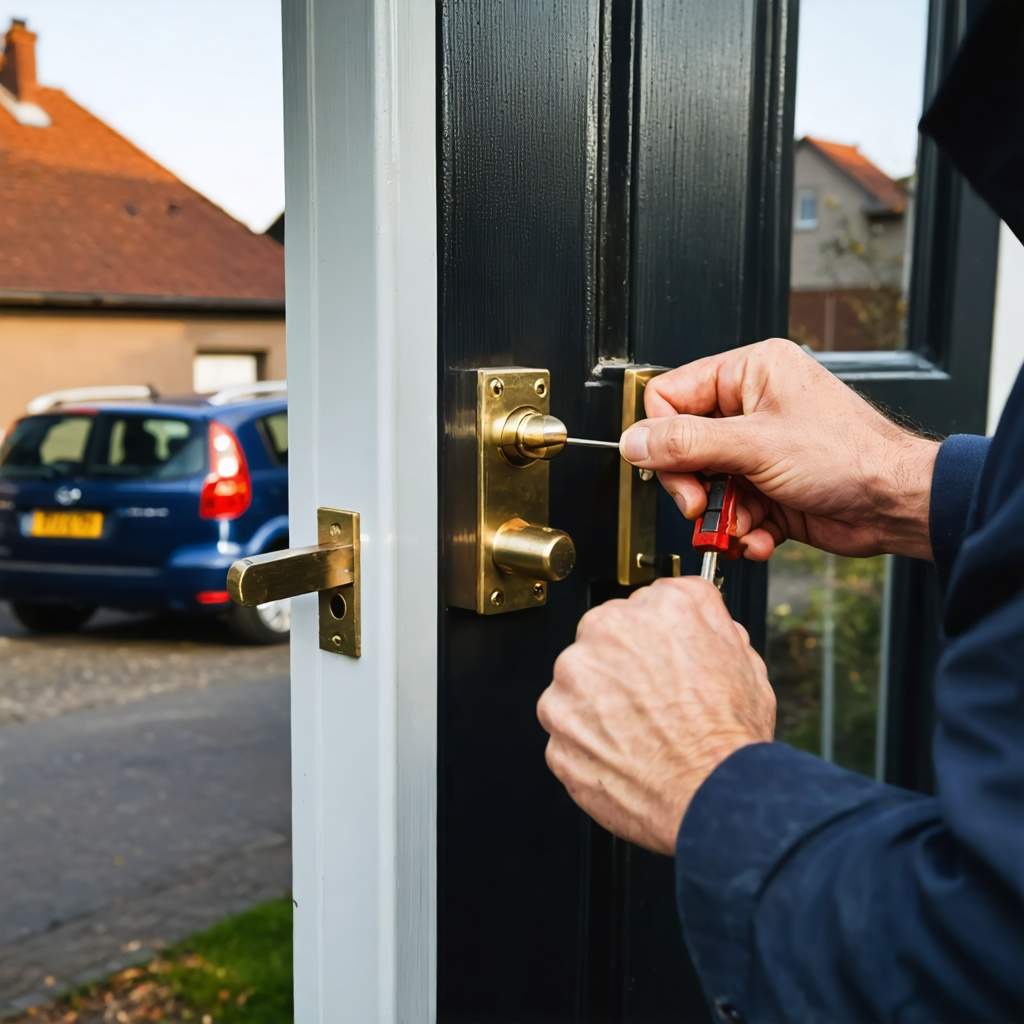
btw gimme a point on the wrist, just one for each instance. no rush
(906, 497)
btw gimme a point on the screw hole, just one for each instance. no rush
(339, 608)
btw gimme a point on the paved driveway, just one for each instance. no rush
(144, 794)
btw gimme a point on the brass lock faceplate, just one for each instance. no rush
(502, 554)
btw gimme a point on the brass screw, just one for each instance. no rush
(540, 386)
(336, 640)
(497, 387)
(646, 474)
(539, 590)
(334, 530)
(497, 598)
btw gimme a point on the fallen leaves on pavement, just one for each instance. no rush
(136, 995)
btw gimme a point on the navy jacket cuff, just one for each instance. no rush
(954, 481)
(751, 810)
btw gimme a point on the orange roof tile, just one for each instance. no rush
(85, 213)
(878, 185)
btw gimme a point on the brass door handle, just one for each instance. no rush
(329, 569)
(280, 574)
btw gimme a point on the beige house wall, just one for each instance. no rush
(840, 216)
(45, 350)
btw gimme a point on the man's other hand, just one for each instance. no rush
(818, 463)
(656, 691)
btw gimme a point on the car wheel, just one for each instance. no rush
(268, 623)
(51, 618)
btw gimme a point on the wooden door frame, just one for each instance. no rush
(360, 115)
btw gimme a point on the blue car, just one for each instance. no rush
(113, 498)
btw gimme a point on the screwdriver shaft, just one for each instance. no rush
(586, 442)
(709, 566)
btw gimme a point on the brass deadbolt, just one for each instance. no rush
(535, 551)
(527, 435)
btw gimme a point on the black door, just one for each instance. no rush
(613, 187)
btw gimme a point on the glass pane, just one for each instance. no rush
(860, 75)
(826, 653)
(45, 446)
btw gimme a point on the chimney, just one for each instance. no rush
(18, 68)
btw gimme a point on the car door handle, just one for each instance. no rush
(329, 569)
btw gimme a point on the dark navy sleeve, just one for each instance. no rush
(808, 893)
(954, 481)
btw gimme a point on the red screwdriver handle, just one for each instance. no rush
(715, 530)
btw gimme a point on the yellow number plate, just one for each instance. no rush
(78, 525)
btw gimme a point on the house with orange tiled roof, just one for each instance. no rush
(848, 270)
(112, 270)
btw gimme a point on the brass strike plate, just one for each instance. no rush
(638, 492)
(501, 492)
(340, 614)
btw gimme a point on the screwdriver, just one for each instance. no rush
(712, 532)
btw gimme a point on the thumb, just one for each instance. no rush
(686, 444)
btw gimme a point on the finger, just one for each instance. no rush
(683, 444)
(687, 492)
(691, 388)
(742, 630)
(758, 545)
(717, 383)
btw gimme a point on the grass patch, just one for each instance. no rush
(238, 972)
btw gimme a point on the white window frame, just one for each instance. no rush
(801, 223)
(360, 154)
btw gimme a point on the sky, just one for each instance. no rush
(197, 85)
(860, 75)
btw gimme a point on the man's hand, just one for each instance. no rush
(819, 463)
(653, 695)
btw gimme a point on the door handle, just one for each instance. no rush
(329, 569)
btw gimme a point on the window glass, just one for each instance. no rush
(827, 652)
(860, 75)
(806, 209)
(213, 371)
(148, 446)
(275, 429)
(45, 446)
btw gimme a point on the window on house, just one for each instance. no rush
(806, 210)
(213, 371)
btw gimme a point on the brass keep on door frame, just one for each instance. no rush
(636, 555)
(502, 554)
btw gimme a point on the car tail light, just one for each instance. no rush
(212, 597)
(227, 489)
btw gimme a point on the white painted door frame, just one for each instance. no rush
(359, 89)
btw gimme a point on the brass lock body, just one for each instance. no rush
(502, 553)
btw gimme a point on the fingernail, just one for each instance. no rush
(633, 444)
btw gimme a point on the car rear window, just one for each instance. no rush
(275, 430)
(119, 445)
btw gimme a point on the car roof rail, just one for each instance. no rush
(240, 392)
(107, 393)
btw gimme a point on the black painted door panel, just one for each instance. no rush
(612, 185)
